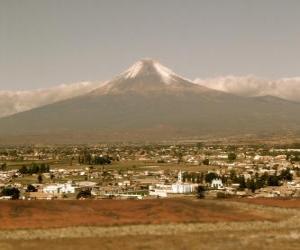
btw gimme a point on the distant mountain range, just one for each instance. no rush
(150, 102)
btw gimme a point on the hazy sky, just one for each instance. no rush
(48, 42)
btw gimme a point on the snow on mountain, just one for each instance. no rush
(147, 75)
(287, 88)
(12, 102)
(150, 67)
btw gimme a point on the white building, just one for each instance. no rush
(179, 187)
(182, 188)
(217, 184)
(65, 188)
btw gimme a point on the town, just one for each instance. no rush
(149, 171)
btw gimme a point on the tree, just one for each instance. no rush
(52, 177)
(242, 182)
(84, 194)
(179, 155)
(233, 176)
(88, 159)
(259, 183)
(251, 185)
(231, 156)
(31, 188)
(101, 160)
(210, 176)
(273, 180)
(205, 161)
(286, 175)
(40, 178)
(11, 191)
(200, 192)
(23, 170)
(3, 166)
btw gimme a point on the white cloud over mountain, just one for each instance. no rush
(287, 88)
(12, 102)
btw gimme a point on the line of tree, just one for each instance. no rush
(193, 177)
(88, 159)
(35, 168)
(258, 182)
(254, 183)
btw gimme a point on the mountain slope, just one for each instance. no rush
(149, 101)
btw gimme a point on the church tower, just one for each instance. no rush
(179, 179)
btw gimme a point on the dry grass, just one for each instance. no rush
(273, 202)
(218, 240)
(58, 213)
(215, 224)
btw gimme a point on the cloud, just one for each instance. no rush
(287, 88)
(12, 102)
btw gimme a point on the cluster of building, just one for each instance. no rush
(146, 181)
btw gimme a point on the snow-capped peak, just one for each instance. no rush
(147, 75)
(149, 67)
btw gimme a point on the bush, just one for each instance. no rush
(84, 194)
(201, 192)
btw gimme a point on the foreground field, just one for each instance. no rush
(151, 224)
(218, 240)
(284, 203)
(58, 213)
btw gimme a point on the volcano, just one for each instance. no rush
(145, 76)
(150, 102)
